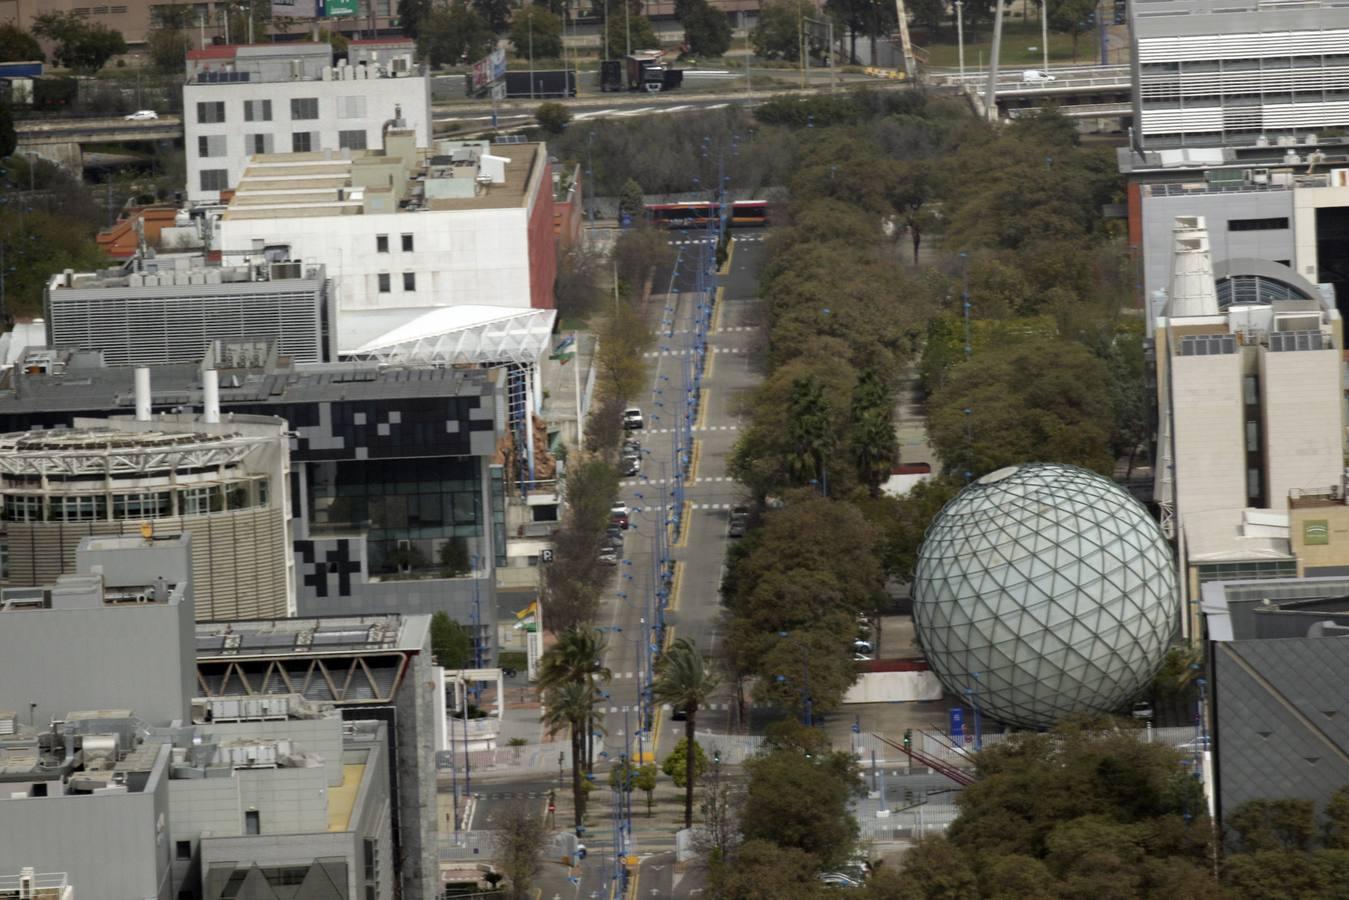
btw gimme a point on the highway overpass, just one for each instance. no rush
(62, 141)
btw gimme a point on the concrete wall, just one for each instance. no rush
(371, 817)
(1209, 434)
(287, 800)
(1159, 214)
(110, 657)
(243, 851)
(474, 256)
(112, 847)
(894, 687)
(419, 708)
(411, 94)
(321, 736)
(1306, 202)
(1303, 431)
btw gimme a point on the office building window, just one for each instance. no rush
(302, 142)
(182, 849)
(252, 822)
(384, 282)
(196, 501)
(351, 107)
(211, 113)
(258, 143)
(215, 179)
(409, 281)
(381, 243)
(211, 145)
(351, 140)
(304, 108)
(21, 508)
(257, 110)
(1271, 224)
(80, 508)
(407, 243)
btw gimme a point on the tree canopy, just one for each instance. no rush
(80, 44)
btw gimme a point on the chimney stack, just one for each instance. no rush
(211, 397)
(142, 394)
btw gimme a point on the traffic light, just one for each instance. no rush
(908, 738)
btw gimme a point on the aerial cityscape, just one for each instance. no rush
(735, 449)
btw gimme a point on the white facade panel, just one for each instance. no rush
(459, 257)
(1243, 46)
(1208, 431)
(355, 105)
(1303, 427)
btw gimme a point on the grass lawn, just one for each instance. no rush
(1017, 38)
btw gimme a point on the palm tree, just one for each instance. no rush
(809, 431)
(571, 705)
(685, 682)
(576, 658)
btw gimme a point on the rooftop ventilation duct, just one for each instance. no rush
(142, 394)
(1192, 290)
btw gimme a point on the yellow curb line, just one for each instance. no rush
(697, 455)
(677, 586)
(730, 254)
(684, 530)
(717, 307)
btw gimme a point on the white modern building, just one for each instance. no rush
(241, 101)
(1250, 406)
(405, 233)
(1210, 73)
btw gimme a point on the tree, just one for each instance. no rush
(80, 45)
(168, 48)
(496, 13)
(571, 706)
(454, 558)
(872, 433)
(936, 869)
(454, 34)
(779, 32)
(631, 201)
(1284, 824)
(809, 432)
(552, 117)
(707, 30)
(761, 869)
(1072, 16)
(1335, 832)
(635, 31)
(17, 45)
(676, 765)
(801, 800)
(627, 777)
(576, 658)
(536, 33)
(901, 523)
(1034, 399)
(577, 289)
(411, 14)
(684, 680)
(451, 643)
(637, 253)
(520, 839)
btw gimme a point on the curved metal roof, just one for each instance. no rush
(476, 335)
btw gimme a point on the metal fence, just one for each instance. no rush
(734, 748)
(467, 846)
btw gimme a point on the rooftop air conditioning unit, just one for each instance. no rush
(295, 70)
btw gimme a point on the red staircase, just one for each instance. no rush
(956, 774)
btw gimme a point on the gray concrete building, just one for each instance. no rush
(175, 799)
(396, 503)
(1278, 662)
(156, 310)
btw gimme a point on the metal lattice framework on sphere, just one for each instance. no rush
(1044, 590)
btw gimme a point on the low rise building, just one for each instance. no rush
(258, 99)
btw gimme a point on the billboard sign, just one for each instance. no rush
(957, 723)
(341, 8)
(489, 69)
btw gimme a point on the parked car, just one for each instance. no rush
(618, 515)
(739, 522)
(632, 464)
(631, 445)
(838, 880)
(608, 556)
(1142, 710)
(1200, 744)
(633, 420)
(861, 646)
(142, 115)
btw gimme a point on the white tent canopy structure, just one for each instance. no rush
(466, 335)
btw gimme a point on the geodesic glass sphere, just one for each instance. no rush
(1044, 590)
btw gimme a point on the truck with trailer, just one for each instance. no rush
(542, 84)
(642, 70)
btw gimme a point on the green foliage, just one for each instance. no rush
(454, 558)
(900, 523)
(707, 30)
(1020, 409)
(17, 45)
(637, 254)
(449, 35)
(1073, 17)
(577, 290)
(521, 838)
(781, 29)
(572, 582)
(634, 31)
(1335, 833)
(685, 682)
(168, 48)
(761, 869)
(45, 235)
(676, 764)
(496, 13)
(80, 44)
(801, 800)
(552, 117)
(631, 200)
(536, 33)
(1265, 825)
(451, 643)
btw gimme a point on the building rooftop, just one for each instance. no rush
(1237, 535)
(51, 380)
(454, 175)
(194, 270)
(311, 636)
(1303, 150)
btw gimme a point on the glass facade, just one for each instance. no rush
(1042, 591)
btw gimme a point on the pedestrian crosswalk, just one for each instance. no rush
(696, 506)
(652, 354)
(736, 328)
(710, 707)
(700, 428)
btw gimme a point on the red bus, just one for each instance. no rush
(695, 213)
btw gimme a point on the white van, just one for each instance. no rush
(1035, 76)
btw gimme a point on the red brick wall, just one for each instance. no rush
(542, 244)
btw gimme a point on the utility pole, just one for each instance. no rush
(627, 23)
(531, 55)
(1044, 32)
(991, 95)
(960, 38)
